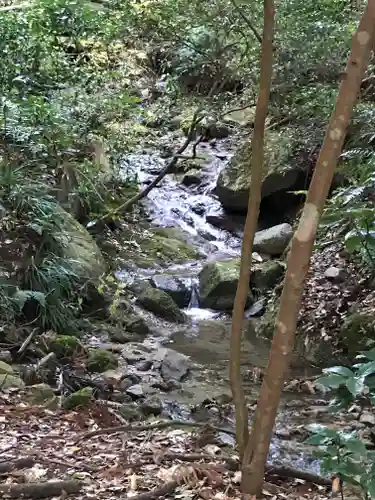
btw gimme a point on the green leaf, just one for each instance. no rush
(340, 370)
(22, 296)
(356, 446)
(353, 243)
(332, 381)
(366, 369)
(355, 385)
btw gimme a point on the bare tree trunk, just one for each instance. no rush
(299, 257)
(257, 145)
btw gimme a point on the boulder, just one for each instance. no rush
(161, 304)
(233, 183)
(266, 275)
(218, 284)
(194, 177)
(152, 405)
(42, 394)
(101, 360)
(177, 288)
(9, 378)
(174, 365)
(274, 240)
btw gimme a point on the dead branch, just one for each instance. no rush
(290, 472)
(40, 490)
(27, 342)
(20, 463)
(150, 427)
(142, 194)
(247, 21)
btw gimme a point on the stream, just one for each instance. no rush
(206, 338)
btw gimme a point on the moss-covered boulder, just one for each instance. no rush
(218, 284)
(233, 183)
(266, 275)
(100, 360)
(42, 394)
(161, 304)
(65, 346)
(8, 377)
(358, 332)
(166, 245)
(77, 399)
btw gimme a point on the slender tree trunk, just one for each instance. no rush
(299, 257)
(257, 145)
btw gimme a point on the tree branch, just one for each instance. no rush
(247, 20)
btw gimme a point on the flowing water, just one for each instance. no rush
(206, 338)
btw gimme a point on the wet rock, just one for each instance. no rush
(232, 224)
(233, 184)
(175, 287)
(152, 405)
(266, 275)
(121, 336)
(218, 284)
(192, 178)
(199, 208)
(9, 380)
(335, 274)
(273, 241)
(100, 360)
(79, 398)
(134, 353)
(174, 365)
(257, 309)
(161, 304)
(140, 391)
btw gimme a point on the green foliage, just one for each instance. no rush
(78, 399)
(65, 346)
(345, 454)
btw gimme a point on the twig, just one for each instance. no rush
(27, 342)
(247, 21)
(290, 472)
(40, 490)
(150, 427)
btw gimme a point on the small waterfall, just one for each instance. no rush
(194, 300)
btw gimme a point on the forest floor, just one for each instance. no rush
(49, 453)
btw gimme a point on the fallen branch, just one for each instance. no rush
(20, 463)
(290, 472)
(40, 490)
(142, 194)
(160, 491)
(27, 342)
(150, 427)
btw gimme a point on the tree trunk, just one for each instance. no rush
(299, 257)
(257, 145)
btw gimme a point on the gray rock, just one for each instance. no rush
(134, 353)
(218, 284)
(136, 391)
(273, 241)
(42, 394)
(174, 365)
(199, 208)
(137, 324)
(152, 405)
(161, 304)
(129, 412)
(175, 287)
(5, 355)
(257, 309)
(335, 274)
(192, 178)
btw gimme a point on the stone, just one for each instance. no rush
(152, 405)
(177, 288)
(5, 368)
(77, 399)
(134, 352)
(141, 390)
(137, 324)
(174, 365)
(8, 381)
(335, 274)
(233, 183)
(161, 304)
(129, 412)
(199, 208)
(218, 284)
(257, 309)
(265, 275)
(192, 178)
(233, 224)
(274, 240)
(100, 360)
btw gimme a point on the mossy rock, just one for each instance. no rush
(266, 275)
(100, 360)
(8, 377)
(77, 399)
(167, 245)
(233, 183)
(65, 346)
(161, 304)
(218, 284)
(5, 368)
(358, 332)
(42, 394)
